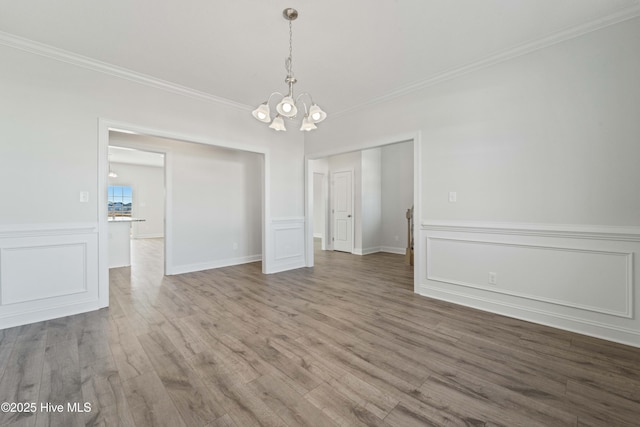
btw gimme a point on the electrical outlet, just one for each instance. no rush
(493, 278)
(453, 197)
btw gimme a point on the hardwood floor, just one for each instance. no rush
(346, 343)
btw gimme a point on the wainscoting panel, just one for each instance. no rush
(534, 272)
(581, 280)
(21, 282)
(287, 237)
(47, 272)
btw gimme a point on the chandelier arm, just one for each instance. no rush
(306, 110)
(274, 93)
(304, 93)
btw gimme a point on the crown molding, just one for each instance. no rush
(62, 55)
(496, 58)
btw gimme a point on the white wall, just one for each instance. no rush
(216, 207)
(147, 184)
(397, 195)
(371, 199)
(49, 123)
(548, 137)
(49, 140)
(542, 150)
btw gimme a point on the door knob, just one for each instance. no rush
(348, 216)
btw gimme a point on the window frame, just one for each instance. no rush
(123, 195)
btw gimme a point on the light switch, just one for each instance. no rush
(84, 197)
(453, 197)
(493, 278)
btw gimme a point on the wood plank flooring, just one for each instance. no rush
(346, 343)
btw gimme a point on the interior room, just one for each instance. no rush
(135, 198)
(381, 192)
(413, 213)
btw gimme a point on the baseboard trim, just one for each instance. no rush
(287, 266)
(393, 250)
(555, 320)
(190, 268)
(376, 249)
(63, 310)
(149, 236)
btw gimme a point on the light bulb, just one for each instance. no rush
(278, 124)
(262, 113)
(307, 124)
(286, 107)
(316, 114)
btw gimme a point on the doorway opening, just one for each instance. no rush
(136, 202)
(196, 236)
(385, 187)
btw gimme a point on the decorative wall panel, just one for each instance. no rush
(582, 279)
(47, 272)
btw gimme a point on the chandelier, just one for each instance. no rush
(289, 105)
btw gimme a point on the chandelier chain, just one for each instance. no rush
(290, 59)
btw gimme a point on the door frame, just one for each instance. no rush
(415, 137)
(324, 197)
(106, 125)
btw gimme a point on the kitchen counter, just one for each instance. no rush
(120, 241)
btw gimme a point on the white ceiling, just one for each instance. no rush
(345, 53)
(135, 157)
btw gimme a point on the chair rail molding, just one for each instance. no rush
(550, 230)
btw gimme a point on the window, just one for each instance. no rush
(120, 200)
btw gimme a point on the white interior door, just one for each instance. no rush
(342, 211)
